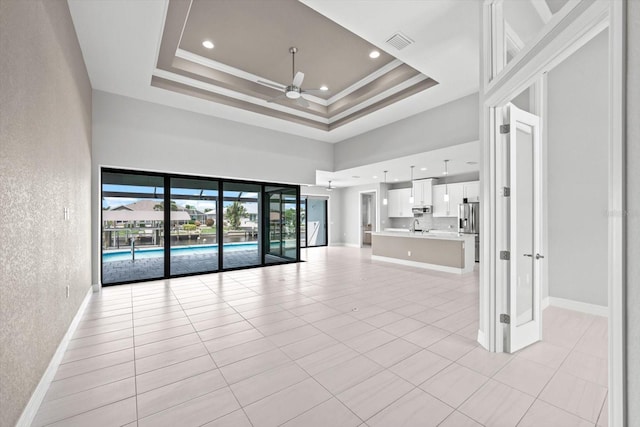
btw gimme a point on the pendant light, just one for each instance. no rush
(446, 185)
(411, 199)
(385, 201)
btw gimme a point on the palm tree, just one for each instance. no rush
(235, 212)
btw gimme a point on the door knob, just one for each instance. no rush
(538, 256)
(529, 255)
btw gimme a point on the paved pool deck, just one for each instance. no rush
(152, 268)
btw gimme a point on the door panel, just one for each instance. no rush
(523, 228)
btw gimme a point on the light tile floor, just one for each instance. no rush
(335, 341)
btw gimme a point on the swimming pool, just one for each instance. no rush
(125, 254)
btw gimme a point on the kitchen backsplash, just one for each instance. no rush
(426, 222)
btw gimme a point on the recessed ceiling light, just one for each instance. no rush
(208, 44)
(375, 176)
(323, 87)
(472, 163)
(355, 176)
(396, 179)
(423, 169)
(374, 54)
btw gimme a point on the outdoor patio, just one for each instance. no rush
(151, 268)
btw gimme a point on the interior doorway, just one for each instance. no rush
(578, 99)
(368, 217)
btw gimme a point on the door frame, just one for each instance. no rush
(582, 24)
(377, 206)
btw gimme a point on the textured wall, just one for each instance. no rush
(633, 206)
(578, 131)
(45, 165)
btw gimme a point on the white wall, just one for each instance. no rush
(350, 212)
(633, 213)
(135, 134)
(453, 123)
(578, 97)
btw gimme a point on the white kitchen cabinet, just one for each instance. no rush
(471, 191)
(399, 206)
(422, 192)
(456, 194)
(442, 208)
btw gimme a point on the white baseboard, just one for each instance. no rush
(33, 405)
(347, 245)
(583, 307)
(418, 264)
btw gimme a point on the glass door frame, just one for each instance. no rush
(219, 218)
(266, 221)
(306, 198)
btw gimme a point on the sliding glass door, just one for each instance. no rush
(241, 225)
(281, 234)
(193, 234)
(157, 226)
(132, 227)
(316, 222)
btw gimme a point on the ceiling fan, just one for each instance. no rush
(294, 91)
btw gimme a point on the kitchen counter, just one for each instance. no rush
(446, 235)
(443, 251)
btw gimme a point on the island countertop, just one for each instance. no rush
(427, 235)
(445, 251)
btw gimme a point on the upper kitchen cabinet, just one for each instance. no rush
(471, 191)
(399, 205)
(447, 208)
(440, 206)
(422, 192)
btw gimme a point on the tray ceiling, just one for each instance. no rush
(252, 40)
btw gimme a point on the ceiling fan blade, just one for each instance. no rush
(277, 86)
(297, 80)
(302, 102)
(277, 98)
(317, 92)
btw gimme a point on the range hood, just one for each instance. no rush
(419, 210)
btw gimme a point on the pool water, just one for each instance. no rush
(125, 254)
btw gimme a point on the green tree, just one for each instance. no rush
(235, 212)
(290, 217)
(160, 206)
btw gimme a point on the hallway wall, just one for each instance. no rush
(577, 149)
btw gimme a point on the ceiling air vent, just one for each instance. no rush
(399, 41)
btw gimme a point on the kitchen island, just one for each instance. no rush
(449, 252)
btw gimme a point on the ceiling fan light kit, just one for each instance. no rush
(294, 91)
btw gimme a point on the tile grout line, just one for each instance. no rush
(214, 363)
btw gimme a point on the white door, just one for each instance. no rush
(523, 210)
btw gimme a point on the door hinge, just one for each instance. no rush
(505, 318)
(505, 255)
(506, 192)
(505, 128)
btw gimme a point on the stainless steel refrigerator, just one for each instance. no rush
(469, 222)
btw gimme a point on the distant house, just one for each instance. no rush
(142, 213)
